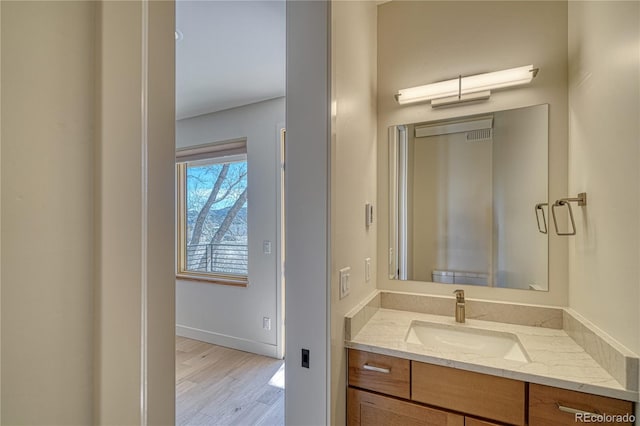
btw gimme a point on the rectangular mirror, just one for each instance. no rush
(468, 200)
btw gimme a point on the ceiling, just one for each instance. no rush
(231, 53)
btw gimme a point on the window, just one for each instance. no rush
(212, 214)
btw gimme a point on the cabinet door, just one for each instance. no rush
(470, 421)
(549, 405)
(497, 398)
(368, 409)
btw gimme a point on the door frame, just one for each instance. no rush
(137, 385)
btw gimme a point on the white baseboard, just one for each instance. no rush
(227, 341)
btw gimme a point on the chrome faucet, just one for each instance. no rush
(459, 305)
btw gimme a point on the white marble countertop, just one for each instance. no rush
(556, 359)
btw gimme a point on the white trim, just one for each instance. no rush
(144, 166)
(0, 222)
(280, 254)
(328, 210)
(228, 341)
(403, 165)
(392, 255)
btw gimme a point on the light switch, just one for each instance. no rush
(345, 286)
(368, 214)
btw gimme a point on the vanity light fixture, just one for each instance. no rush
(465, 89)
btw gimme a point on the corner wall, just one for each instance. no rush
(227, 315)
(307, 218)
(604, 154)
(87, 213)
(427, 41)
(353, 172)
(135, 222)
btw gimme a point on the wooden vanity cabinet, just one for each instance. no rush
(389, 391)
(385, 390)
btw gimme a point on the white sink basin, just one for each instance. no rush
(466, 340)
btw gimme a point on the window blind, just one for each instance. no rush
(212, 150)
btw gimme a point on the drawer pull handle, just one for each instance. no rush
(376, 369)
(570, 410)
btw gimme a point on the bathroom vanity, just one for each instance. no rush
(423, 368)
(385, 390)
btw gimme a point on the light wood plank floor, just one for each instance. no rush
(221, 386)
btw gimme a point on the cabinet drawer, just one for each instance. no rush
(476, 394)
(549, 405)
(380, 373)
(368, 409)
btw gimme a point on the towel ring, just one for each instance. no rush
(543, 229)
(581, 199)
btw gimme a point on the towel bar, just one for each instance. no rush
(581, 199)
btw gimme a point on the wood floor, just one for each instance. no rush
(222, 386)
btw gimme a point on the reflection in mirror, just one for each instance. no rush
(468, 200)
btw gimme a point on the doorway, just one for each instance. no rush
(230, 112)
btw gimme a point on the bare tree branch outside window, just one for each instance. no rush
(216, 218)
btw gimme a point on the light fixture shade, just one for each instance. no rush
(427, 92)
(465, 85)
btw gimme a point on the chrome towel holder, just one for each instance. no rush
(581, 199)
(539, 207)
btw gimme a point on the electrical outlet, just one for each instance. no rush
(367, 269)
(266, 247)
(266, 323)
(345, 285)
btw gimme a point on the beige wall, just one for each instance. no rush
(87, 213)
(47, 212)
(604, 112)
(422, 42)
(353, 172)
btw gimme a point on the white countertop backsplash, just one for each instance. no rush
(556, 359)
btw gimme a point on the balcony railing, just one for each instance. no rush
(224, 258)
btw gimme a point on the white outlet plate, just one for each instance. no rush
(367, 269)
(345, 285)
(266, 323)
(266, 247)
